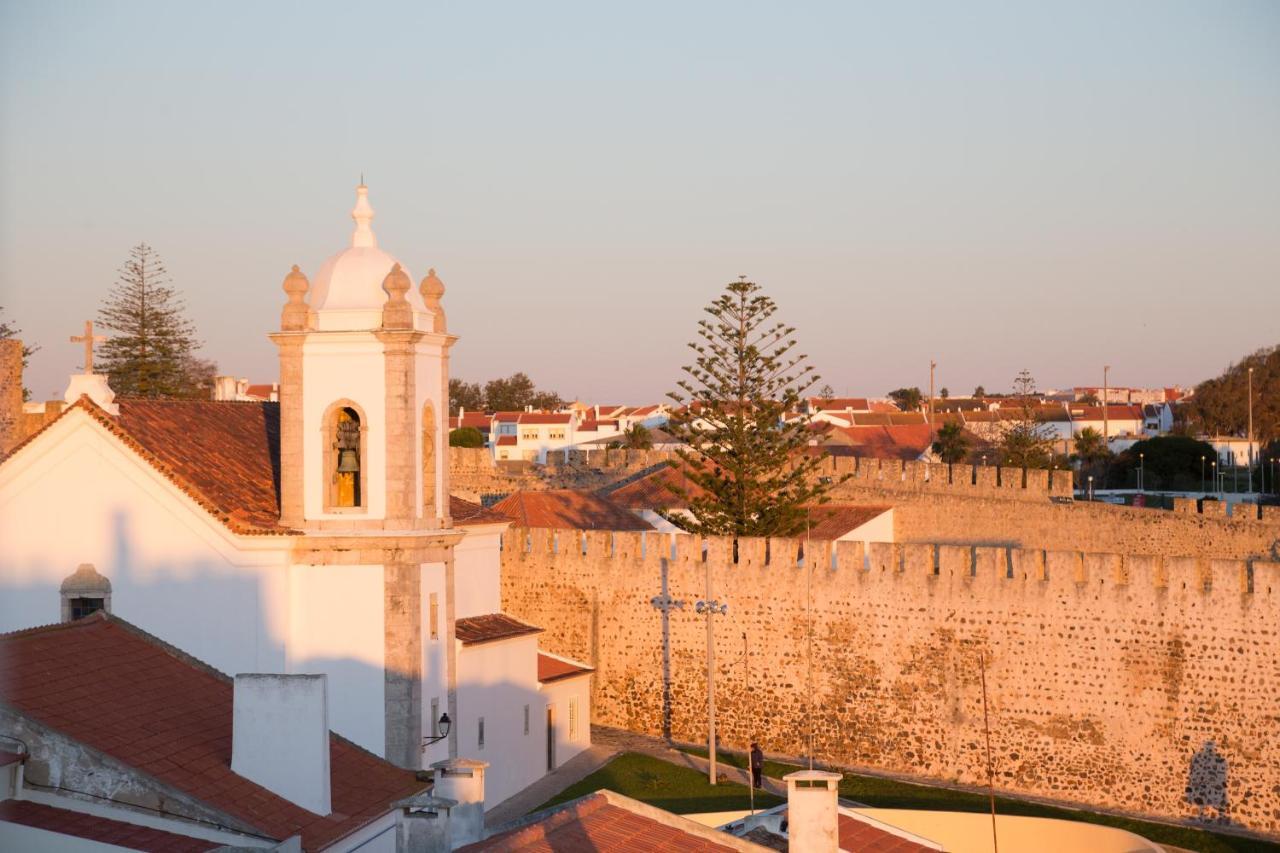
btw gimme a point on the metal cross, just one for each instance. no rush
(88, 339)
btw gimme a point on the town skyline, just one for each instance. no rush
(994, 190)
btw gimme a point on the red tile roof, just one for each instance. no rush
(569, 510)
(263, 391)
(822, 404)
(224, 455)
(506, 441)
(105, 830)
(831, 521)
(554, 668)
(491, 627)
(654, 491)
(868, 838)
(94, 679)
(466, 513)
(602, 822)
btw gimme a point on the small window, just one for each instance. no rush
(435, 717)
(434, 616)
(556, 434)
(82, 607)
(526, 719)
(529, 435)
(573, 719)
(480, 736)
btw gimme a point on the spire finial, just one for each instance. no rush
(362, 213)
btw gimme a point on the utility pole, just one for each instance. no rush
(1106, 433)
(712, 608)
(1250, 430)
(932, 365)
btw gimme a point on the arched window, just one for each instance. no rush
(345, 460)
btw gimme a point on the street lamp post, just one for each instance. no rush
(1250, 430)
(1142, 471)
(1090, 487)
(1214, 464)
(1201, 473)
(712, 608)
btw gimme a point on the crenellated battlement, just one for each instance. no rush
(767, 561)
(1120, 671)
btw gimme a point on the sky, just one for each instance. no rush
(993, 186)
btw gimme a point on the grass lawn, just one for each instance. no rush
(664, 785)
(892, 794)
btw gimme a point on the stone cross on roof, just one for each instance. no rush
(88, 339)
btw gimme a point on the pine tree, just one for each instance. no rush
(746, 463)
(1028, 443)
(152, 353)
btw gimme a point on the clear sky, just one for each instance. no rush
(993, 185)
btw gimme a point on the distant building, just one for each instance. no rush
(230, 388)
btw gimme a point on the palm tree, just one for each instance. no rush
(952, 444)
(1089, 446)
(637, 437)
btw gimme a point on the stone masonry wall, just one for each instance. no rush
(1147, 684)
(11, 424)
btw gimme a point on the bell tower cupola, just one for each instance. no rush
(364, 379)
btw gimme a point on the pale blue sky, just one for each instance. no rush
(994, 185)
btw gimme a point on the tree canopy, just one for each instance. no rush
(907, 399)
(1168, 462)
(152, 353)
(746, 463)
(467, 436)
(510, 394)
(952, 443)
(1220, 405)
(1028, 442)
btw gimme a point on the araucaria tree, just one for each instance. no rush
(152, 353)
(1028, 442)
(746, 464)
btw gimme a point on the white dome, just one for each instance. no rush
(347, 291)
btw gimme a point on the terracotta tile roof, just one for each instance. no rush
(553, 668)
(94, 679)
(474, 630)
(224, 455)
(545, 418)
(831, 521)
(104, 830)
(602, 822)
(506, 440)
(263, 391)
(821, 404)
(1114, 412)
(866, 837)
(654, 491)
(900, 441)
(568, 509)
(466, 513)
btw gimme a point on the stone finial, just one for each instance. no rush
(86, 581)
(397, 313)
(362, 213)
(294, 316)
(432, 289)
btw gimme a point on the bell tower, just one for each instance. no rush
(364, 379)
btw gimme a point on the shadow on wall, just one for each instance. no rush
(1207, 785)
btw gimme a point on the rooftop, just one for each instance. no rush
(92, 680)
(491, 627)
(568, 509)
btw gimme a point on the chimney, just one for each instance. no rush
(462, 781)
(280, 736)
(10, 394)
(812, 814)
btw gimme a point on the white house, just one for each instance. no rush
(316, 535)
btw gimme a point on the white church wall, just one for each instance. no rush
(435, 677)
(78, 496)
(570, 699)
(337, 628)
(343, 366)
(496, 681)
(477, 564)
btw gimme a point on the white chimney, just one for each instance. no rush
(812, 812)
(462, 781)
(280, 736)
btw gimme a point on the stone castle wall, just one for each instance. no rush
(1139, 683)
(11, 425)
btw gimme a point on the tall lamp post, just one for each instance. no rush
(1201, 473)
(712, 608)
(1142, 471)
(1214, 466)
(1250, 430)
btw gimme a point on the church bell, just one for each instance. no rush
(348, 462)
